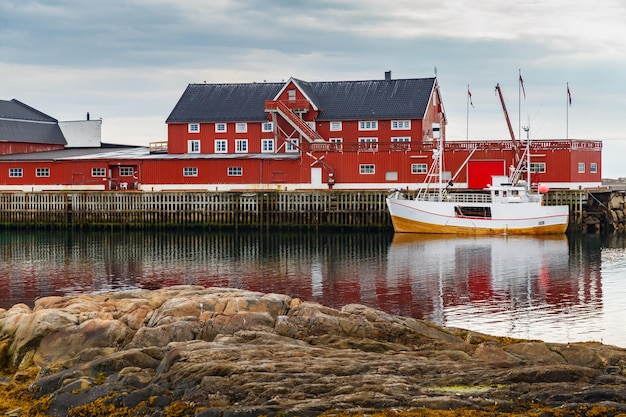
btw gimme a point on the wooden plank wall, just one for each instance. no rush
(289, 209)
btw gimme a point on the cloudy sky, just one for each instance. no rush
(128, 61)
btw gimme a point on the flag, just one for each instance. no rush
(521, 82)
(469, 95)
(569, 96)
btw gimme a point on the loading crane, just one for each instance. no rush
(508, 122)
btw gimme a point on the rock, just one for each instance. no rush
(190, 350)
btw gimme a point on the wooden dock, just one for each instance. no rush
(258, 209)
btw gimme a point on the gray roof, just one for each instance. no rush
(337, 100)
(24, 124)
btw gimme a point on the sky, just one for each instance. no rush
(129, 61)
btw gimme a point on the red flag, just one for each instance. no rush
(469, 95)
(569, 96)
(521, 81)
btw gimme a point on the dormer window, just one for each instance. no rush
(193, 128)
(291, 94)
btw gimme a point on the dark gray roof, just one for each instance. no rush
(23, 124)
(224, 102)
(337, 100)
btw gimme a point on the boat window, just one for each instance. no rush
(479, 212)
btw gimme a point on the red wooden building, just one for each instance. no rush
(374, 134)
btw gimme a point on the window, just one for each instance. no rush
(221, 146)
(366, 168)
(291, 94)
(368, 125)
(220, 127)
(402, 139)
(42, 172)
(15, 172)
(190, 172)
(337, 143)
(335, 126)
(538, 167)
(193, 128)
(235, 171)
(581, 167)
(127, 171)
(267, 145)
(193, 146)
(593, 168)
(291, 145)
(368, 144)
(419, 168)
(98, 172)
(241, 127)
(400, 124)
(267, 127)
(311, 125)
(241, 145)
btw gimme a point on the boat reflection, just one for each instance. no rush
(501, 284)
(547, 287)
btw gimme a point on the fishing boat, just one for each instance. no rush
(506, 206)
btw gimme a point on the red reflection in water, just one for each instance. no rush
(434, 278)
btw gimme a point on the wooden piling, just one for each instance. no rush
(360, 209)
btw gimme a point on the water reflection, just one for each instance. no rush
(530, 287)
(556, 288)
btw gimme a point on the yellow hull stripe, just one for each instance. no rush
(403, 225)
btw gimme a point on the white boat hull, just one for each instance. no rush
(524, 218)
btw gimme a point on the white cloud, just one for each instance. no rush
(132, 59)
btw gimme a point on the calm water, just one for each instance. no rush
(560, 289)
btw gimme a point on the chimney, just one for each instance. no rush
(87, 115)
(387, 75)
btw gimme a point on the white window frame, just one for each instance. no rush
(267, 127)
(193, 146)
(190, 171)
(368, 144)
(538, 167)
(400, 124)
(311, 125)
(368, 125)
(221, 146)
(419, 168)
(403, 139)
(241, 145)
(338, 143)
(235, 171)
(241, 127)
(267, 145)
(193, 128)
(367, 169)
(291, 145)
(16, 172)
(593, 167)
(42, 172)
(291, 95)
(98, 172)
(127, 171)
(581, 167)
(220, 127)
(336, 126)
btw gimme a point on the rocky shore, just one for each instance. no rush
(212, 352)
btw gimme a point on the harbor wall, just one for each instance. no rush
(259, 209)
